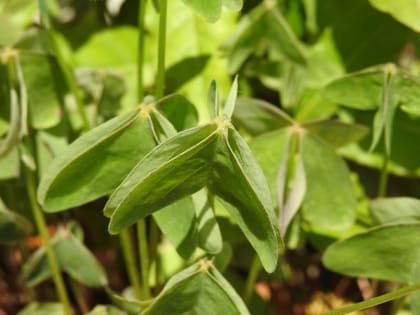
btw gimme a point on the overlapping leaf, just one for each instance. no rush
(211, 9)
(199, 289)
(212, 155)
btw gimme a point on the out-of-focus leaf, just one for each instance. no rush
(407, 12)
(336, 133)
(266, 24)
(387, 252)
(13, 227)
(42, 79)
(235, 5)
(209, 10)
(330, 200)
(72, 257)
(49, 143)
(222, 260)
(105, 310)
(36, 308)
(257, 117)
(357, 54)
(128, 305)
(197, 289)
(395, 210)
(9, 142)
(10, 164)
(183, 71)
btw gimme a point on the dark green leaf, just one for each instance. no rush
(179, 111)
(183, 71)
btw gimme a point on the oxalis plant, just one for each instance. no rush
(192, 192)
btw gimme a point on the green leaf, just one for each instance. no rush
(209, 10)
(130, 306)
(263, 25)
(330, 200)
(13, 227)
(183, 71)
(94, 164)
(257, 117)
(8, 143)
(360, 90)
(199, 289)
(378, 253)
(408, 89)
(231, 100)
(395, 210)
(36, 308)
(239, 180)
(72, 256)
(209, 235)
(179, 111)
(178, 222)
(407, 12)
(42, 78)
(336, 133)
(173, 170)
(271, 152)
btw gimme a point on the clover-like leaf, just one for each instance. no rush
(197, 289)
(213, 155)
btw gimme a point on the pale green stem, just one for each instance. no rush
(252, 279)
(144, 258)
(43, 231)
(140, 52)
(130, 261)
(375, 301)
(160, 78)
